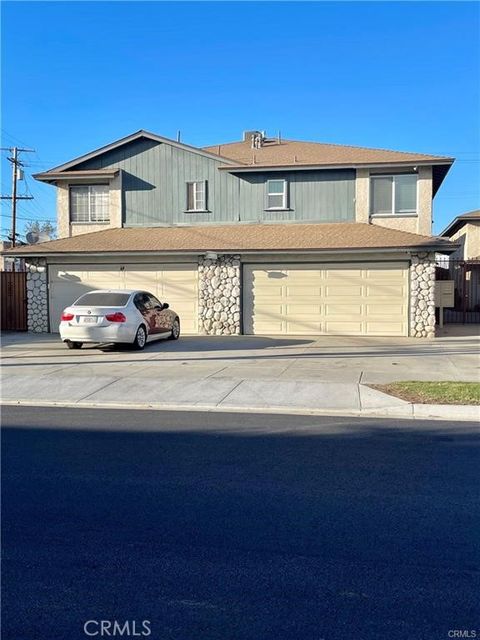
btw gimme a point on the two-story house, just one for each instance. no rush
(261, 236)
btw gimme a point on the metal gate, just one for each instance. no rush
(14, 300)
(466, 274)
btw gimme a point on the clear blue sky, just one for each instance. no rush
(396, 75)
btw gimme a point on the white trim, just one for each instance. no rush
(394, 215)
(282, 193)
(199, 204)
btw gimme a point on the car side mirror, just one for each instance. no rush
(165, 305)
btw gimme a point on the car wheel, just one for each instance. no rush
(140, 338)
(73, 345)
(175, 330)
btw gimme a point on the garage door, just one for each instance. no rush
(355, 299)
(175, 284)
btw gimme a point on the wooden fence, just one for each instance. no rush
(13, 300)
(466, 275)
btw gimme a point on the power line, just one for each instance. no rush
(17, 172)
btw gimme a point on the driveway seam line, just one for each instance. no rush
(50, 373)
(215, 372)
(97, 390)
(229, 392)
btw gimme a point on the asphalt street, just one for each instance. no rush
(238, 526)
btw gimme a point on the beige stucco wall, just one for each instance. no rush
(404, 224)
(362, 195)
(63, 226)
(424, 195)
(65, 229)
(473, 240)
(421, 223)
(469, 237)
(460, 237)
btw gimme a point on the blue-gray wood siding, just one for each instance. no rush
(154, 177)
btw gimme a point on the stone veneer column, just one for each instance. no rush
(37, 296)
(219, 296)
(422, 295)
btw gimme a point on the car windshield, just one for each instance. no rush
(102, 299)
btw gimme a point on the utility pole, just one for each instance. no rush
(16, 165)
(14, 194)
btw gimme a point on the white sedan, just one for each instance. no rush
(118, 316)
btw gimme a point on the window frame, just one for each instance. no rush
(393, 212)
(196, 208)
(90, 187)
(283, 193)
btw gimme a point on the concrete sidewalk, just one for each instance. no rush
(290, 375)
(220, 394)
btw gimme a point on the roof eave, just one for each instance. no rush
(457, 223)
(452, 227)
(440, 247)
(257, 167)
(58, 176)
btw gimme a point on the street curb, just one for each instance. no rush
(447, 411)
(408, 411)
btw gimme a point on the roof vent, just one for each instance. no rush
(247, 135)
(256, 138)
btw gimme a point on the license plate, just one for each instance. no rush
(90, 319)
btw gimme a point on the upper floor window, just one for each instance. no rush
(392, 195)
(197, 196)
(89, 203)
(276, 194)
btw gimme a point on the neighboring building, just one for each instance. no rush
(262, 236)
(9, 263)
(5, 263)
(464, 266)
(465, 231)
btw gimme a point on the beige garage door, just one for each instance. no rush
(344, 299)
(175, 284)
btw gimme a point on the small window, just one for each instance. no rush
(89, 203)
(392, 195)
(276, 194)
(197, 196)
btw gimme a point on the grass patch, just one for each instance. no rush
(433, 392)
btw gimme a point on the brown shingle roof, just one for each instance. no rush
(236, 239)
(297, 153)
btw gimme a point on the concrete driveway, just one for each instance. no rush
(245, 372)
(454, 356)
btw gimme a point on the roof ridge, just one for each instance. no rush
(336, 144)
